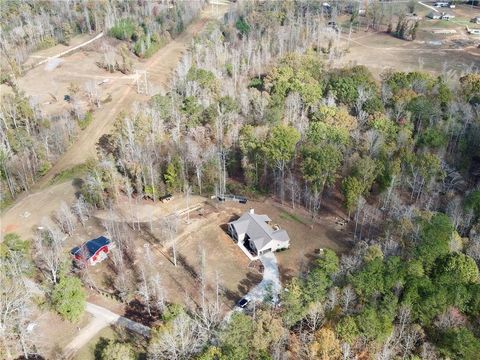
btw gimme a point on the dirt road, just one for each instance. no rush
(102, 318)
(31, 207)
(163, 63)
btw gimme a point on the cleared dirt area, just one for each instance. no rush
(431, 51)
(381, 51)
(203, 234)
(27, 214)
(306, 235)
(39, 83)
(53, 333)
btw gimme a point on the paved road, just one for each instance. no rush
(102, 318)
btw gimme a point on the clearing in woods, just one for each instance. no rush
(31, 207)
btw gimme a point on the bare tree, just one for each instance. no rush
(315, 316)
(65, 219)
(170, 228)
(50, 257)
(180, 340)
(15, 309)
(348, 298)
(82, 209)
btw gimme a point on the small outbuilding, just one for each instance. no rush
(254, 233)
(92, 252)
(434, 15)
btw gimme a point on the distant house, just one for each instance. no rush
(434, 15)
(437, 16)
(92, 252)
(446, 16)
(473, 31)
(442, 4)
(253, 233)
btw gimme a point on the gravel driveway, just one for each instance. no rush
(270, 284)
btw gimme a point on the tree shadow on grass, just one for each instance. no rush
(99, 346)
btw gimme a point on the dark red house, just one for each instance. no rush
(92, 252)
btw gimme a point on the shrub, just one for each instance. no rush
(123, 30)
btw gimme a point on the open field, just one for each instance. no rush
(381, 51)
(430, 51)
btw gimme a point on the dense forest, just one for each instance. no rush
(259, 106)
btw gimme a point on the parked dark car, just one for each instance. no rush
(243, 302)
(166, 198)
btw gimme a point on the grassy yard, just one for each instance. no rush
(293, 217)
(90, 351)
(70, 173)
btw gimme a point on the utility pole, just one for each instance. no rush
(141, 81)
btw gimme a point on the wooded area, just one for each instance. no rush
(261, 107)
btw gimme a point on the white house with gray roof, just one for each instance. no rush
(253, 233)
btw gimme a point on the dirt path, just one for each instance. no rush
(428, 6)
(32, 206)
(101, 318)
(163, 63)
(71, 49)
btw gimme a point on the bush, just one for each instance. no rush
(123, 30)
(46, 43)
(117, 351)
(83, 123)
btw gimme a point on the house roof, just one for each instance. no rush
(257, 229)
(89, 248)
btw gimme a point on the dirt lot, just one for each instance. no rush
(52, 333)
(429, 52)
(204, 231)
(380, 51)
(80, 67)
(24, 217)
(306, 235)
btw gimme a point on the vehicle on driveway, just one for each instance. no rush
(243, 302)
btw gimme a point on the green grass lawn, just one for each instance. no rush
(292, 217)
(88, 351)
